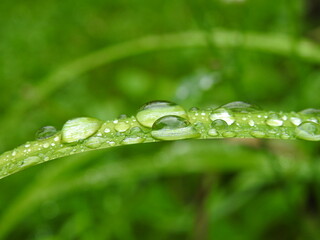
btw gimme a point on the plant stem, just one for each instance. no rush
(258, 124)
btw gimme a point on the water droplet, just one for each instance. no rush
(219, 124)
(274, 120)
(107, 130)
(311, 111)
(313, 120)
(123, 116)
(257, 134)
(229, 134)
(135, 131)
(251, 123)
(173, 128)
(213, 132)
(284, 136)
(295, 121)
(199, 126)
(121, 127)
(223, 114)
(241, 107)
(45, 132)
(79, 129)
(308, 131)
(94, 142)
(133, 140)
(136, 135)
(46, 145)
(152, 111)
(194, 109)
(30, 161)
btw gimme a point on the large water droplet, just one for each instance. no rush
(152, 111)
(173, 128)
(45, 132)
(219, 124)
(223, 114)
(274, 120)
(311, 111)
(308, 131)
(79, 129)
(241, 107)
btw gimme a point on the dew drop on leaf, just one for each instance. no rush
(154, 110)
(213, 132)
(229, 134)
(308, 131)
(241, 107)
(30, 161)
(94, 142)
(274, 120)
(79, 129)
(173, 128)
(311, 111)
(45, 132)
(219, 124)
(121, 127)
(257, 134)
(223, 114)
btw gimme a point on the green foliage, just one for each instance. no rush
(65, 59)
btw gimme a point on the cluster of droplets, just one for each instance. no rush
(163, 120)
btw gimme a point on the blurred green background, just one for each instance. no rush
(195, 189)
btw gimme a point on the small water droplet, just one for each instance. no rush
(79, 129)
(194, 109)
(241, 107)
(133, 140)
(94, 142)
(284, 136)
(30, 161)
(295, 121)
(107, 130)
(46, 145)
(121, 127)
(274, 120)
(308, 131)
(251, 123)
(123, 116)
(199, 126)
(45, 132)
(213, 132)
(154, 110)
(229, 134)
(223, 114)
(173, 128)
(136, 131)
(257, 134)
